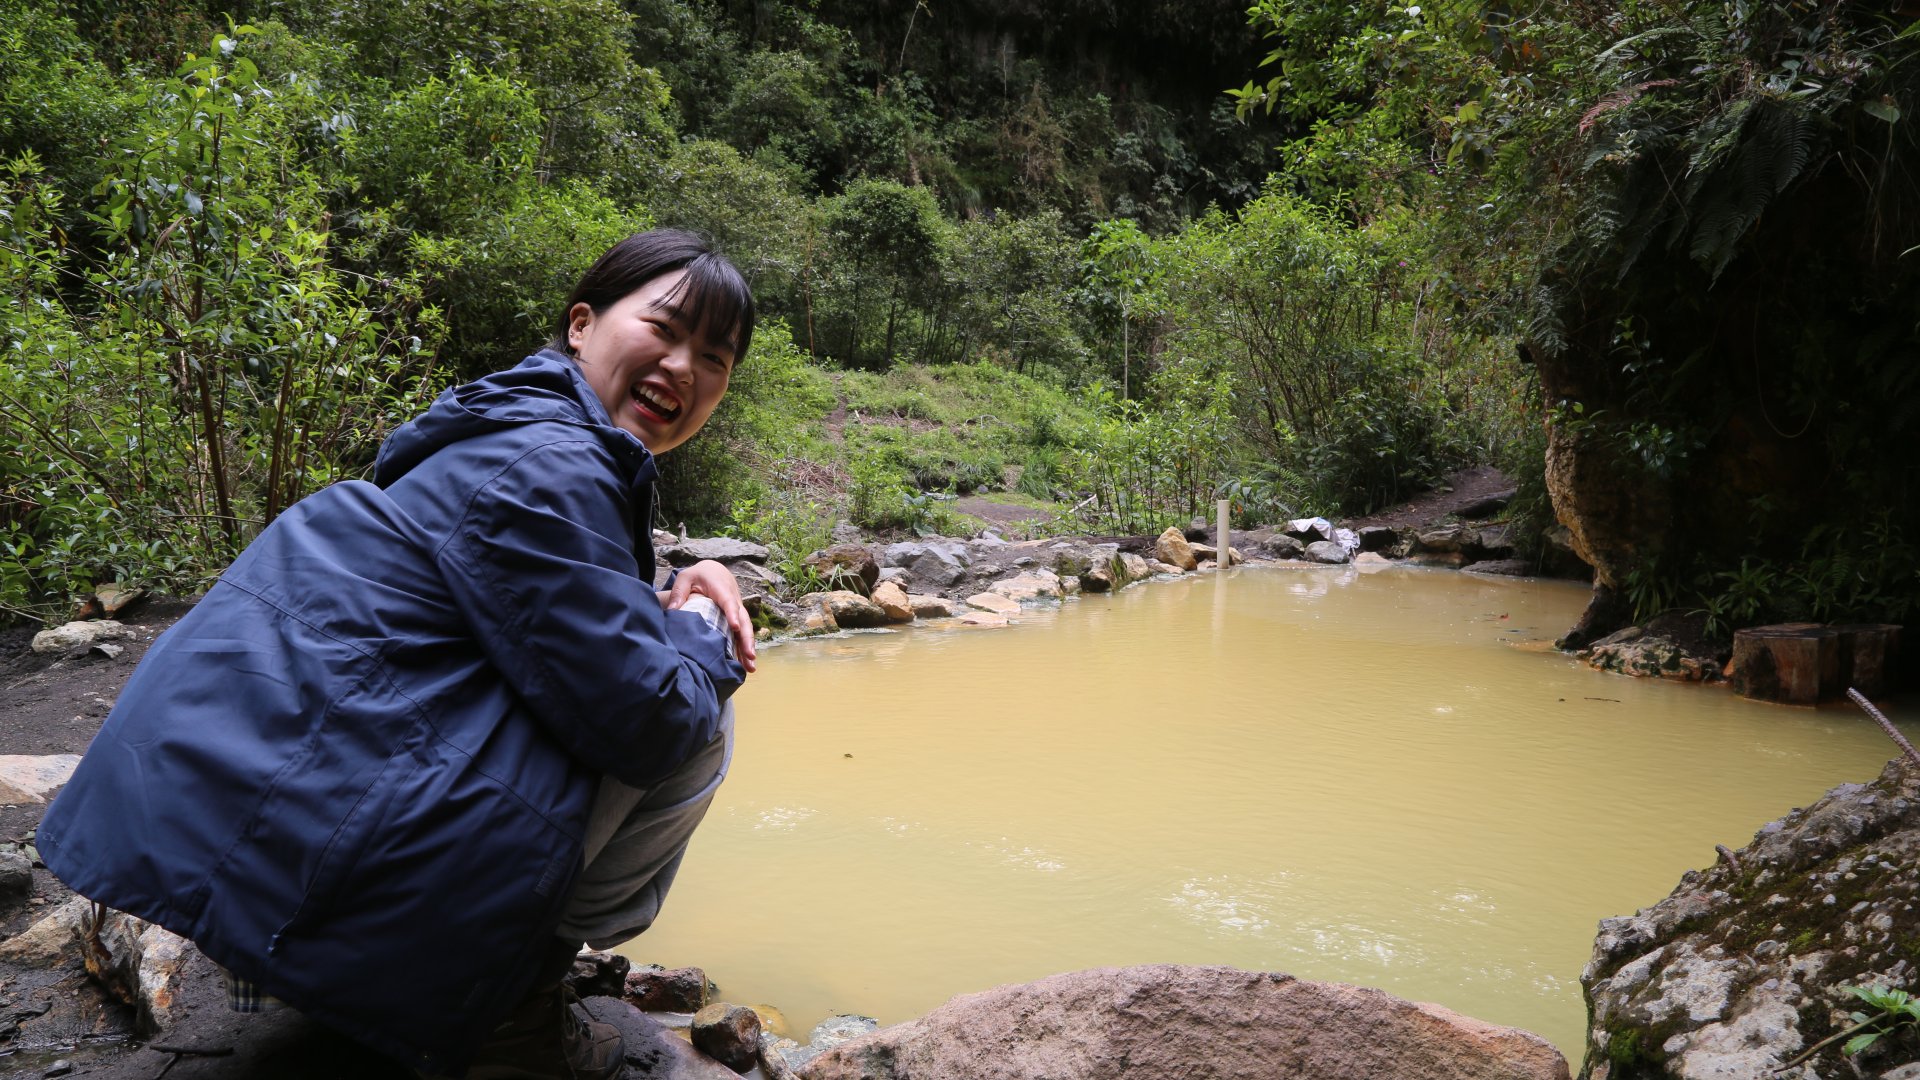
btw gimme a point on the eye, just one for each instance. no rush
(664, 328)
(717, 361)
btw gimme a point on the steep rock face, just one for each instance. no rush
(1202, 1023)
(1744, 967)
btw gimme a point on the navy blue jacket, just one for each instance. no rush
(358, 771)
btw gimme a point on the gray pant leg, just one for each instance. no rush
(634, 841)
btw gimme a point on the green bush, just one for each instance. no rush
(503, 277)
(773, 406)
(210, 369)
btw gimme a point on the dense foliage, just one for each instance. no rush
(1001, 246)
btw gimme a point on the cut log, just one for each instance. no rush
(1796, 663)
(1869, 657)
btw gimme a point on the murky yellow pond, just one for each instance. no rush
(1378, 778)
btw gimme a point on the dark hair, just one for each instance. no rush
(713, 298)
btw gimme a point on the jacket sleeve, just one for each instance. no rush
(542, 568)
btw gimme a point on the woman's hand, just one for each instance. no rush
(715, 582)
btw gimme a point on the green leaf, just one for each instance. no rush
(1882, 110)
(1859, 1043)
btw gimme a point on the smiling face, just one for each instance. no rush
(658, 375)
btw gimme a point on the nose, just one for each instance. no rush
(678, 363)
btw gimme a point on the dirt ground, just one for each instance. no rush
(1463, 493)
(55, 705)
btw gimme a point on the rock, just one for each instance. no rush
(1071, 560)
(1155, 566)
(1029, 586)
(845, 567)
(730, 1034)
(1494, 542)
(982, 618)
(144, 961)
(994, 603)
(1634, 652)
(1168, 1020)
(722, 549)
(1501, 568)
(1378, 538)
(599, 974)
(839, 1029)
(1097, 579)
(26, 779)
(73, 636)
(1798, 663)
(656, 989)
(756, 579)
(1282, 546)
(1371, 558)
(930, 607)
(1173, 549)
(1452, 560)
(1445, 538)
(851, 611)
(941, 565)
(1137, 568)
(16, 876)
(1489, 505)
(1205, 552)
(1743, 967)
(1308, 530)
(654, 1052)
(1326, 551)
(846, 532)
(892, 600)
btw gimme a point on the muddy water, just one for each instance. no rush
(1383, 779)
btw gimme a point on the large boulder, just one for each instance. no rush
(143, 962)
(1031, 585)
(1634, 651)
(1745, 966)
(1172, 548)
(1282, 546)
(892, 600)
(846, 566)
(993, 602)
(27, 779)
(1326, 551)
(74, 636)
(851, 611)
(723, 549)
(1170, 1020)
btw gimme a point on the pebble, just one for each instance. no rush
(58, 1068)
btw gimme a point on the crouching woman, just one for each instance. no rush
(430, 733)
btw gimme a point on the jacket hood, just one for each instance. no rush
(546, 387)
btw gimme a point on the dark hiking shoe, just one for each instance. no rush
(545, 1039)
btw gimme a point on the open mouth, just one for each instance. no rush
(655, 403)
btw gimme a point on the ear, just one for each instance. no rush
(579, 317)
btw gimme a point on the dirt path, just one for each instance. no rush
(1466, 493)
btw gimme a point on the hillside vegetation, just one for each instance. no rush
(1030, 249)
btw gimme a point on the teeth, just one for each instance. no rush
(665, 407)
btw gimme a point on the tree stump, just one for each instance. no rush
(1796, 663)
(1869, 657)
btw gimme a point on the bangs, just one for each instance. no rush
(713, 300)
